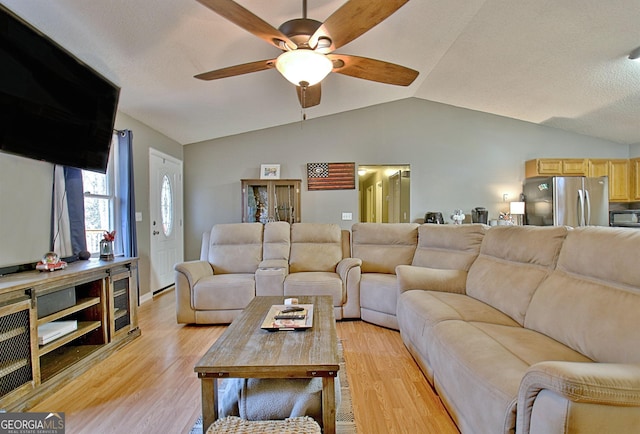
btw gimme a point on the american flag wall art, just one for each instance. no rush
(331, 176)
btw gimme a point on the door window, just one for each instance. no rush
(166, 205)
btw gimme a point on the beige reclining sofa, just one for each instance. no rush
(520, 329)
(241, 260)
(540, 334)
(382, 247)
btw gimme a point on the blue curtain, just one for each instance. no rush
(75, 196)
(127, 219)
(67, 216)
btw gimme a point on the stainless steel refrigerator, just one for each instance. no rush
(567, 200)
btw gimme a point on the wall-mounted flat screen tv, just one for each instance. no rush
(53, 106)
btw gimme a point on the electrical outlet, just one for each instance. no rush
(347, 216)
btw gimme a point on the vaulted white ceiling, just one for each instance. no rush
(558, 63)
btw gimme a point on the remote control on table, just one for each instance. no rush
(289, 316)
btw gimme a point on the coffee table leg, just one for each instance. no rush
(209, 402)
(328, 405)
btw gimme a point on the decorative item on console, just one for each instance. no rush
(106, 246)
(51, 262)
(505, 219)
(457, 217)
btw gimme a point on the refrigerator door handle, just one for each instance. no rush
(580, 208)
(587, 207)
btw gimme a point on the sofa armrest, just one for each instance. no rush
(349, 271)
(432, 279)
(270, 277)
(559, 397)
(194, 270)
(345, 265)
(186, 276)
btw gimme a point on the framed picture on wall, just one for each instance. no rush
(270, 171)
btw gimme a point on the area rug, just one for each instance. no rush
(345, 422)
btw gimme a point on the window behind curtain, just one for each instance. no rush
(100, 204)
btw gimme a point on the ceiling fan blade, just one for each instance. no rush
(372, 69)
(231, 71)
(353, 19)
(309, 96)
(246, 19)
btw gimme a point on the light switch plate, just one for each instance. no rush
(347, 216)
(138, 216)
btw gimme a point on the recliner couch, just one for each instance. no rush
(239, 261)
(519, 329)
(540, 336)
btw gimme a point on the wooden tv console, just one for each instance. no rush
(100, 296)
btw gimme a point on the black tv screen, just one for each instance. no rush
(54, 107)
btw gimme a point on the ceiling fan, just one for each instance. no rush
(308, 46)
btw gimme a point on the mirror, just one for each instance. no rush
(383, 193)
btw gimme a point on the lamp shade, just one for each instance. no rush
(516, 208)
(303, 66)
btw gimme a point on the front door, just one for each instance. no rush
(165, 202)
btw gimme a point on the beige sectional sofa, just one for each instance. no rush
(241, 260)
(539, 335)
(382, 247)
(520, 329)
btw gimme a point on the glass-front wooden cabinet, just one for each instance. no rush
(265, 200)
(122, 299)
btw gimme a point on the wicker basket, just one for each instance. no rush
(292, 425)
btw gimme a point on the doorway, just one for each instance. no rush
(165, 212)
(387, 193)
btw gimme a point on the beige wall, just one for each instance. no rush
(459, 159)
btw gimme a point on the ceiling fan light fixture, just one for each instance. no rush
(303, 66)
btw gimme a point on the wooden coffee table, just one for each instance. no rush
(246, 351)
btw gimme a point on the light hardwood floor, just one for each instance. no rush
(149, 386)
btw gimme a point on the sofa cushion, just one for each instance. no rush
(235, 247)
(591, 302)
(450, 247)
(223, 292)
(383, 246)
(420, 311)
(478, 367)
(316, 283)
(433, 279)
(277, 241)
(315, 247)
(378, 292)
(513, 261)
(435, 307)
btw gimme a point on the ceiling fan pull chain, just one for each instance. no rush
(304, 86)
